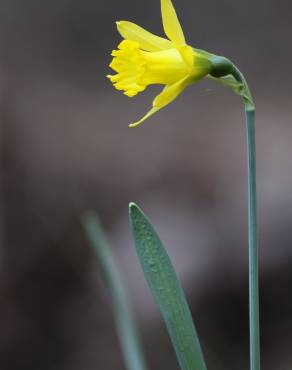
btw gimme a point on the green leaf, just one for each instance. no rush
(126, 327)
(167, 291)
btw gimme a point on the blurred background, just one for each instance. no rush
(66, 148)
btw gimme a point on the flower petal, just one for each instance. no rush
(168, 94)
(171, 25)
(147, 115)
(147, 40)
(187, 54)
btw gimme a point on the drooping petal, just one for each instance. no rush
(147, 115)
(147, 40)
(171, 25)
(168, 94)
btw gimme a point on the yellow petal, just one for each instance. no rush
(171, 25)
(150, 113)
(148, 41)
(187, 54)
(168, 94)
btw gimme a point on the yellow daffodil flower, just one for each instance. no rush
(143, 59)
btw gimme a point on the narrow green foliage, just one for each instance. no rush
(167, 292)
(125, 323)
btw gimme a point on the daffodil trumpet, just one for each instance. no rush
(143, 59)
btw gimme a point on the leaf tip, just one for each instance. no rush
(135, 213)
(88, 217)
(133, 207)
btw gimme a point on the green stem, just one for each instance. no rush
(254, 327)
(127, 331)
(252, 241)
